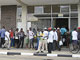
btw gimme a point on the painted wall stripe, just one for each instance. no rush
(27, 54)
(40, 54)
(3, 53)
(13, 53)
(55, 55)
(60, 55)
(75, 55)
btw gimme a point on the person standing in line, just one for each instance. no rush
(63, 35)
(12, 38)
(16, 38)
(67, 38)
(38, 37)
(41, 43)
(55, 39)
(79, 35)
(31, 38)
(50, 40)
(35, 36)
(2, 31)
(7, 40)
(21, 40)
(27, 38)
(35, 32)
(74, 37)
(45, 36)
(59, 38)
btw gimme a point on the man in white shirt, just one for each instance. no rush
(45, 36)
(7, 40)
(31, 36)
(55, 39)
(74, 36)
(50, 40)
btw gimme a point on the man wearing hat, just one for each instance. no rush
(45, 36)
(79, 35)
(50, 39)
(55, 39)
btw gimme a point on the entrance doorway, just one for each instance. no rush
(62, 22)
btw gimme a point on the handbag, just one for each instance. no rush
(60, 43)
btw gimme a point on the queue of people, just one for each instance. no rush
(9, 38)
(48, 39)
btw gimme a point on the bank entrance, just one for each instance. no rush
(60, 22)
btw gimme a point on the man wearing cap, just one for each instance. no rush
(55, 39)
(45, 36)
(79, 35)
(50, 39)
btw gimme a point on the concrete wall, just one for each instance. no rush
(8, 16)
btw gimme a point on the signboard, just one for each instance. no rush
(60, 15)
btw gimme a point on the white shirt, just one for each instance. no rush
(50, 37)
(31, 34)
(74, 35)
(7, 35)
(45, 34)
(55, 36)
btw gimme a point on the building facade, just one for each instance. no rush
(54, 13)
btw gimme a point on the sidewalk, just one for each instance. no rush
(31, 52)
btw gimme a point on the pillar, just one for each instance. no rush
(24, 17)
(79, 15)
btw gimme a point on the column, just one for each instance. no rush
(51, 17)
(79, 15)
(24, 17)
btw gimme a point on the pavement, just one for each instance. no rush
(31, 52)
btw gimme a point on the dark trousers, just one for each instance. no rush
(49, 47)
(21, 42)
(54, 45)
(16, 42)
(2, 41)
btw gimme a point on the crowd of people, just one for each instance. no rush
(53, 38)
(46, 39)
(9, 38)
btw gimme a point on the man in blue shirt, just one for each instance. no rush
(63, 35)
(2, 34)
(63, 30)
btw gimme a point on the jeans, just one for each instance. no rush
(38, 42)
(31, 43)
(12, 42)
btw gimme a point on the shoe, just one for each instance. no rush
(37, 52)
(8, 49)
(12, 47)
(42, 52)
(59, 49)
(49, 52)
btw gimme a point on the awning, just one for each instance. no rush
(31, 18)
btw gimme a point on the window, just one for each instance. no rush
(64, 9)
(30, 9)
(56, 9)
(38, 9)
(74, 7)
(47, 9)
(19, 13)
